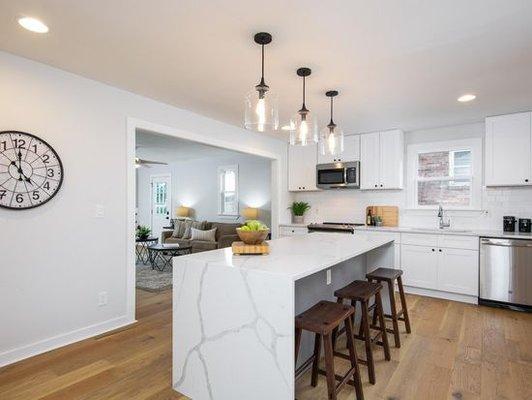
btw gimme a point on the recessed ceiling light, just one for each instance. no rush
(466, 97)
(33, 24)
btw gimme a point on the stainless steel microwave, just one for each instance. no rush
(338, 175)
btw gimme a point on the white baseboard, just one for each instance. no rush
(33, 349)
(464, 298)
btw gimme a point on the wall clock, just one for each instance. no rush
(31, 172)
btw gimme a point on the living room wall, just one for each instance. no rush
(56, 259)
(195, 185)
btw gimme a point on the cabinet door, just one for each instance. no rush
(392, 150)
(420, 266)
(302, 167)
(369, 161)
(351, 149)
(458, 271)
(326, 158)
(508, 149)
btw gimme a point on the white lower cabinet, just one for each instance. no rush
(292, 230)
(420, 266)
(458, 271)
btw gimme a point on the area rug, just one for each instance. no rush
(153, 280)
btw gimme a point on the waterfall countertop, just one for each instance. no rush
(294, 257)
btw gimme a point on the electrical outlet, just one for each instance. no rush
(102, 299)
(329, 277)
(99, 211)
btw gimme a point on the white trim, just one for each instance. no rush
(64, 339)
(135, 123)
(463, 298)
(473, 144)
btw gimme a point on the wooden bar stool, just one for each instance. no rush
(389, 275)
(322, 319)
(363, 291)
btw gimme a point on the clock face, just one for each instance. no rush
(31, 172)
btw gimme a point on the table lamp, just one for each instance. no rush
(182, 212)
(250, 213)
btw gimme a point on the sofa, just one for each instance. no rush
(224, 237)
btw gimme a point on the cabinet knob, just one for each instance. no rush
(526, 180)
(439, 250)
(433, 250)
(375, 185)
(381, 185)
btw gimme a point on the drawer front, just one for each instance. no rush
(458, 242)
(419, 239)
(290, 231)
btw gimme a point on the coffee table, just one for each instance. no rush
(160, 255)
(141, 248)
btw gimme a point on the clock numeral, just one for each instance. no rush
(3, 145)
(50, 173)
(46, 185)
(35, 195)
(19, 143)
(19, 198)
(34, 147)
(45, 158)
(2, 194)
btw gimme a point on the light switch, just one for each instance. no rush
(99, 211)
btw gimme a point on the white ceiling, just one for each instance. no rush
(395, 63)
(155, 147)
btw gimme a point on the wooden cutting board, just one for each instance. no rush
(247, 249)
(388, 214)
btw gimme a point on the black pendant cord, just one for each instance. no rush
(331, 123)
(262, 66)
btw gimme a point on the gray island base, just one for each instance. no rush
(233, 316)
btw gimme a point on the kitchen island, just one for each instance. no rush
(233, 316)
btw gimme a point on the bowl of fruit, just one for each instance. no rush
(253, 232)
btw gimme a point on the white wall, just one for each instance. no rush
(350, 205)
(195, 185)
(55, 259)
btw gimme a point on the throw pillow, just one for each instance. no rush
(192, 224)
(208, 236)
(179, 228)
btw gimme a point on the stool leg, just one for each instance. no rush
(339, 300)
(329, 367)
(379, 311)
(403, 303)
(367, 340)
(391, 292)
(354, 359)
(316, 362)
(297, 344)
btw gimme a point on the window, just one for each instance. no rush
(446, 173)
(228, 190)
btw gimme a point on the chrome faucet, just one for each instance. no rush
(441, 216)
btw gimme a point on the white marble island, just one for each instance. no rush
(233, 316)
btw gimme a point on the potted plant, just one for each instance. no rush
(143, 232)
(299, 208)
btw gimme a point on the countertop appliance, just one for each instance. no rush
(506, 273)
(508, 224)
(524, 225)
(338, 227)
(342, 175)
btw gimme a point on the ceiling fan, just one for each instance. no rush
(139, 162)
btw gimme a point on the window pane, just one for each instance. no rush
(230, 181)
(435, 164)
(462, 163)
(448, 193)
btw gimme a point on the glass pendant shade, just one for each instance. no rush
(332, 141)
(304, 129)
(261, 111)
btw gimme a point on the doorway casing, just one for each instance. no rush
(132, 125)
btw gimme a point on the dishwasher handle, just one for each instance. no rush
(506, 242)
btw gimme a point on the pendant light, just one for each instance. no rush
(303, 124)
(332, 137)
(261, 108)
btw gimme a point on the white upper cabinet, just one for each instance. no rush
(508, 150)
(351, 152)
(302, 162)
(381, 160)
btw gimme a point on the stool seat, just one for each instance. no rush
(358, 290)
(385, 273)
(323, 317)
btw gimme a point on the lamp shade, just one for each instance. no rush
(250, 213)
(182, 211)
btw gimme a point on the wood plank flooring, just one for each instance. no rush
(455, 351)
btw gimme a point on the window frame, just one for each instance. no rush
(472, 144)
(221, 171)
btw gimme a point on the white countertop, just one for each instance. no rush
(451, 231)
(304, 225)
(294, 257)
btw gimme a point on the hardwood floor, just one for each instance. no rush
(455, 351)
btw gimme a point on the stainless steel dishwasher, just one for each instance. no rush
(506, 273)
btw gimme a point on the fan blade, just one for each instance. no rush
(141, 161)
